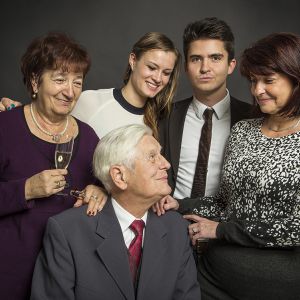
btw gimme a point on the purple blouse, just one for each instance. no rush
(22, 222)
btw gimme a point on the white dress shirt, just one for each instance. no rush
(190, 143)
(125, 219)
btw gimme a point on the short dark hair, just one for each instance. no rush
(209, 28)
(53, 51)
(276, 53)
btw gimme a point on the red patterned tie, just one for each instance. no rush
(135, 248)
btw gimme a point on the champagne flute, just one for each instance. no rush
(63, 154)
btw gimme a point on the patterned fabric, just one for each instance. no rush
(135, 248)
(259, 198)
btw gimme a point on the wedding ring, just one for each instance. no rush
(57, 184)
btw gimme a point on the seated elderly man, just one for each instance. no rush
(125, 251)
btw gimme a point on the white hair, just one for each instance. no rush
(117, 148)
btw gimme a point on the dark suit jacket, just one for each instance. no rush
(171, 129)
(86, 258)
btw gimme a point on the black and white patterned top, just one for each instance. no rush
(259, 197)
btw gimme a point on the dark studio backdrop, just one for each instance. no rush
(108, 29)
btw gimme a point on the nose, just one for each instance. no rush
(157, 76)
(164, 164)
(257, 88)
(69, 90)
(204, 68)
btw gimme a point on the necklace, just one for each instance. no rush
(55, 136)
(284, 129)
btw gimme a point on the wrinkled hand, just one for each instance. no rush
(94, 196)
(202, 228)
(166, 203)
(45, 183)
(8, 104)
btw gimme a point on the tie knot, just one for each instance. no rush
(207, 115)
(138, 226)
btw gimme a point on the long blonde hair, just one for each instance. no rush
(159, 106)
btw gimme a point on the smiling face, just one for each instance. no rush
(151, 72)
(272, 92)
(149, 180)
(207, 68)
(57, 92)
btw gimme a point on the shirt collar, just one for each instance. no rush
(124, 217)
(219, 108)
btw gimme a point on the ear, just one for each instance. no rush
(34, 83)
(132, 60)
(232, 65)
(118, 176)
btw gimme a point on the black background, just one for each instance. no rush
(108, 30)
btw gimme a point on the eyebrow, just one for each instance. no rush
(210, 55)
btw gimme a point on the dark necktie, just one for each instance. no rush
(198, 188)
(135, 248)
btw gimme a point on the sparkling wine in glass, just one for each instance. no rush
(63, 154)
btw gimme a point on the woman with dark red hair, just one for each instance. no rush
(254, 247)
(53, 67)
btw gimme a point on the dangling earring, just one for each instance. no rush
(34, 95)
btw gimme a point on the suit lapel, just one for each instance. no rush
(154, 251)
(238, 110)
(112, 250)
(175, 131)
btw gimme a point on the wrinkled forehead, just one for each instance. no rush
(148, 144)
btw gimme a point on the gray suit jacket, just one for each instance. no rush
(86, 258)
(171, 129)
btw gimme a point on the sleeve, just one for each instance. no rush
(280, 232)
(54, 274)
(187, 285)
(12, 193)
(211, 207)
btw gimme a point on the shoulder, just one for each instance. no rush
(95, 94)
(12, 115)
(240, 104)
(90, 102)
(174, 222)
(182, 103)
(247, 125)
(73, 219)
(86, 129)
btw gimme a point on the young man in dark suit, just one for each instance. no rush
(209, 59)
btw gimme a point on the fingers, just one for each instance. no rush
(59, 184)
(79, 202)
(96, 204)
(56, 172)
(8, 104)
(193, 218)
(2, 107)
(156, 207)
(96, 199)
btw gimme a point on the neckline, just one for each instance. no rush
(126, 105)
(260, 123)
